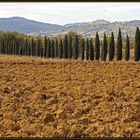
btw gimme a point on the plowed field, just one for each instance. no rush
(57, 98)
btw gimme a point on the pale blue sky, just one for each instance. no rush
(63, 13)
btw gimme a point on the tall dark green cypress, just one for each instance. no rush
(21, 48)
(70, 46)
(17, 47)
(42, 48)
(29, 48)
(137, 45)
(127, 49)
(38, 47)
(97, 47)
(52, 48)
(104, 49)
(83, 49)
(5, 47)
(45, 46)
(119, 46)
(2, 49)
(91, 50)
(76, 47)
(26, 46)
(66, 46)
(48, 48)
(2, 46)
(13, 47)
(111, 48)
(87, 49)
(56, 48)
(32, 47)
(8, 47)
(61, 48)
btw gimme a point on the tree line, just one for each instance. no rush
(71, 46)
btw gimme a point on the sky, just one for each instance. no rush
(65, 13)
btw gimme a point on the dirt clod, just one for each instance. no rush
(49, 118)
(7, 90)
(15, 127)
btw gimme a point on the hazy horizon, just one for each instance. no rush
(70, 22)
(67, 13)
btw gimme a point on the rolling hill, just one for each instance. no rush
(87, 29)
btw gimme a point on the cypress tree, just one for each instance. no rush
(10, 47)
(104, 49)
(7, 48)
(10, 51)
(119, 46)
(56, 48)
(66, 46)
(111, 48)
(97, 47)
(48, 48)
(83, 49)
(21, 48)
(91, 50)
(52, 48)
(13, 47)
(42, 48)
(70, 46)
(76, 47)
(127, 49)
(61, 48)
(25, 47)
(7, 52)
(137, 45)
(2, 46)
(29, 48)
(32, 47)
(16, 47)
(87, 49)
(38, 47)
(45, 47)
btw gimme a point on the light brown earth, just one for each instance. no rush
(49, 98)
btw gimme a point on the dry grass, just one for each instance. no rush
(46, 98)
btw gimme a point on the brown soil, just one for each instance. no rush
(50, 98)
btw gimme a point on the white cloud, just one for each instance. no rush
(63, 13)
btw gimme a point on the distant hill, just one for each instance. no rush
(26, 26)
(87, 29)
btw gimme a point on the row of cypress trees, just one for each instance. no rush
(72, 46)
